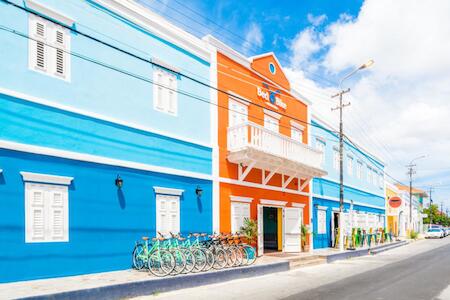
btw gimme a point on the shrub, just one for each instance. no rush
(413, 235)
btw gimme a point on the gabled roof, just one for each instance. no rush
(414, 190)
(261, 63)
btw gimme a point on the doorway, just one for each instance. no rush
(270, 228)
(334, 228)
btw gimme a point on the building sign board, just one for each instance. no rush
(270, 96)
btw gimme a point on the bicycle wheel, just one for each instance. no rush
(190, 261)
(239, 256)
(231, 257)
(200, 259)
(220, 258)
(250, 254)
(209, 259)
(139, 257)
(161, 262)
(180, 261)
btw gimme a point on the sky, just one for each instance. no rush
(400, 107)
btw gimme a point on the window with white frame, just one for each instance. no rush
(359, 166)
(297, 131)
(321, 145)
(375, 178)
(165, 96)
(350, 165)
(239, 212)
(381, 180)
(167, 214)
(336, 159)
(237, 113)
(46, 213)
(271, 123)
(49, 48)
(369, 174)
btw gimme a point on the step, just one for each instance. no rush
(304, 258)
(305, 263)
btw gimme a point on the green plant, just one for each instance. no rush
(304, 232)
(250, 230)
(413, 234)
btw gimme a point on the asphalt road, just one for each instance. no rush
(419, 271)
(423, 276)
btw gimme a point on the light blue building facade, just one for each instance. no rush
(102, 140)
(364, 190)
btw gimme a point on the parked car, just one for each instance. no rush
(447, 231)
(434, 233)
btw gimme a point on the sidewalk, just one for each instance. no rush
(129, 283)
(132, 283)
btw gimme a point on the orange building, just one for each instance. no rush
(265, 163)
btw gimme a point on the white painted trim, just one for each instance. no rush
(99, 159)
(335, 209)
(214, 141)
(49, 12)
(322, 207)
(258, 185)
(45, 178)
(241, 199)
(297, 125)
(352, 186)
(158, 25)
(347, 201)
(236, 97)
(272, 114)
(167, 191)
(272, 202)
(93, 115)
(300, 205)
(162, 63)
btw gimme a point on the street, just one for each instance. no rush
(420, 270)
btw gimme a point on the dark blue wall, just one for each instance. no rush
(104, 222)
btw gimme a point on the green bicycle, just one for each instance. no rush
(160, 262)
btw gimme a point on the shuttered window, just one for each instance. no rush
(239, 212)
(167, 214)
(46, 215)
(49, 48)
(165, 96)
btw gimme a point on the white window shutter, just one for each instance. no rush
(37, 215)
(56, 201)
(172, 94)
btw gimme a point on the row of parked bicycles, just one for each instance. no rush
(197, 252)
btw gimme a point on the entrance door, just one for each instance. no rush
(270, 228)
(260, 230)
(334, 228)
(321, 233)
(292, 223)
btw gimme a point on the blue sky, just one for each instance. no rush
(399, 107)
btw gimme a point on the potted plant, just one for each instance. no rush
(304, 237)
(250, 230)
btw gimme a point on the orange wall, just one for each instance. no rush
(233, 77)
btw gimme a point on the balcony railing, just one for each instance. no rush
(250, 135)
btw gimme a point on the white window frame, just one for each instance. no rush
(162, 205)
(321, 146)
(48, 186)
(241, 205)
(359, 167)
(336, 158)
(369, 174)
(240, 114)
(165, 91)
(349, 165)
(271, 123)
(52, 48)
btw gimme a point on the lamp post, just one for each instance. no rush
(341, 148)
(411, 171)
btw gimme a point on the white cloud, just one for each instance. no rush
(253, 37)
(316, 20)
(400, 107)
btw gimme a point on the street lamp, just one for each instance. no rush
(411, 171)
(341, 149)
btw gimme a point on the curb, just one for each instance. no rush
(154, 286)
(363, 252)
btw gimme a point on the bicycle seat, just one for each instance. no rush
(181, 239)
(196, 234)
(203, 234)
(145, 238)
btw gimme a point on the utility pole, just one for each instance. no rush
(341, 149)
(341, 166)
(411, 171)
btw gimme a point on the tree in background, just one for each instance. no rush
(437, 216)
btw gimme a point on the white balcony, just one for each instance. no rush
(254, 146)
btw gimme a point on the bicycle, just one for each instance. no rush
(159, 262)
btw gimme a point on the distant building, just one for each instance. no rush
(364, 204)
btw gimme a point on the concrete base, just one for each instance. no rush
(366, 251)
(154, 286)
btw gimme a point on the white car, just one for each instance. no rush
(434, 233)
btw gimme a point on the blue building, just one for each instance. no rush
(364, 191)
(103, 139)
